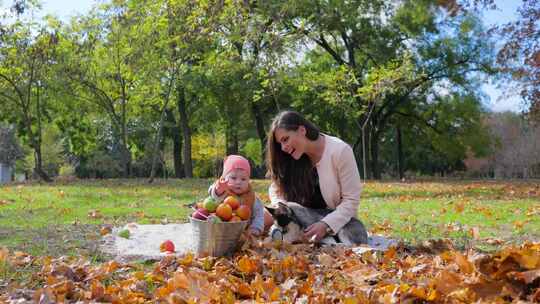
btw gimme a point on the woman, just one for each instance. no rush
(313, 169)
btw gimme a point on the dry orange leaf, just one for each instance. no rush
(459, 207)
(245, 290)
(4, 253)
(94, 214)
(247, 265)
(179, 280)
(326, 260)
(97, 291)
(105, 230)
(527, 276)
(465, 266)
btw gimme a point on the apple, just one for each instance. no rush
(233, 201)
(213, 218)
(166, 246)
(244, 212)
(224, 211)
(210, 204)
(200, 214)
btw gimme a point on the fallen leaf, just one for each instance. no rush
(465, 266)
(326, 260)
(459, 207)
(95, 214)
(105, 230)
(4, 253)
(245, 290)
(246, 265)
(527, 276)
(475, 233)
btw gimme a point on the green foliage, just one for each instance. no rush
(52, 152)
(391, 79)
(221, 71)
(101, 164)
(10, 149)
(252, 149)
(209, 151)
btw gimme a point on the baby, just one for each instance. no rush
(235, 181)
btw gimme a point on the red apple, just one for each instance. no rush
(200, 214)
(166, 246)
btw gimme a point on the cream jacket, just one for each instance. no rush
(339, 180)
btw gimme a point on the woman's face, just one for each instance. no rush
(292, 142)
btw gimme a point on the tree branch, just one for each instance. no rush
(350, 49)
(10, 98)
(12, 83)
(324, 44)
(321, 42)
(420, 119)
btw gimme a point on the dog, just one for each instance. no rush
(290, 220)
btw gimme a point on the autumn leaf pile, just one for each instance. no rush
(434, 272)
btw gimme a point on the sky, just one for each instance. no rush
(501, 100)
(496, 99)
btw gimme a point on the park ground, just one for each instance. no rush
(63, 220)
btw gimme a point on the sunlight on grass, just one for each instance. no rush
(40, 217)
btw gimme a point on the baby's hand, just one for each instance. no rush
(221, 186)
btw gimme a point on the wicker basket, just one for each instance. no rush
(216, 239)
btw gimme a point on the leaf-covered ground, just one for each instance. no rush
(291, 274)
(461, 242)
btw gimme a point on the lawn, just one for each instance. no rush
(463, 241)
(65, 218)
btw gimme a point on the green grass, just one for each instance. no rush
(415, 212)
(56, 219)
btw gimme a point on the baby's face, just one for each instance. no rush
(238, 181)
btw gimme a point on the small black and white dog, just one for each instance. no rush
(290, 220)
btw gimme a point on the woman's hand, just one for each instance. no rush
(316, 232)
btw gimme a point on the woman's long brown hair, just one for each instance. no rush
(294, 178)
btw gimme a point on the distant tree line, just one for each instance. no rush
(168, 88)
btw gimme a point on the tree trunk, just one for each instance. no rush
(364, 152)
(259, 123)
(374, 149)
(156, 150)
(358, 155)
(186, 132)
(174, 131)
(125, 157)
(39, 164)
(400, 165)
(231, 139)
(37, 141)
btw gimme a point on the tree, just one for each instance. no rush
(27, 50)
(520, 54)
(436, 135)
(254, 46)
(372, 40)
(104, 67)
(516, 149)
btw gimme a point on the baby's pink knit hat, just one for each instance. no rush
(233, 162)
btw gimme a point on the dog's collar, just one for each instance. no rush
(277, 233)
